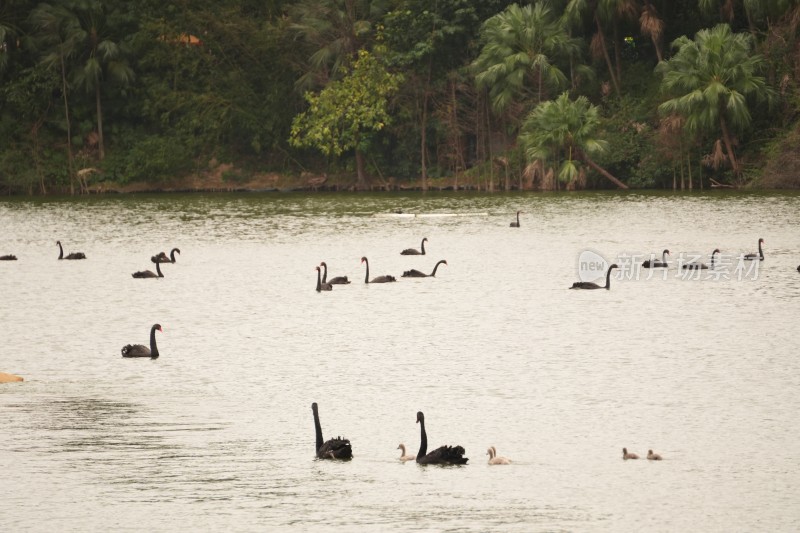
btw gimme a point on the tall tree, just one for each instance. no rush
(712, 77)
(427, 40)
(334, 31)
(347, 113)
(101, 58)
(564, 131)
(59, 34)
(521, 49)
(652, 25)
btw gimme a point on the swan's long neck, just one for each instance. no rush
(319, 283)
(433, 274)
(422, 247)
(153, 347)
(423, 441)
(172, 254)
(158, 270)
(608, 279)
(664, 256)
(324, 273)
(713, 254)
(402, 450)
(517, 218)
(760, 251)
(60, 250)
(318, 430)
(491, 453)
(366, 276)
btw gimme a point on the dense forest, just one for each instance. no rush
(494, 95)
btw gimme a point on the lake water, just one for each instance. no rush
(217, 434)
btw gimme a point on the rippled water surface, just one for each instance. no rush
(217, 433)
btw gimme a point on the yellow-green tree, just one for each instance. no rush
(347, 113)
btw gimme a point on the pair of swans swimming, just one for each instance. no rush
(157, 259)
(340, 448)
(626, 455)
(413, 273)
(323, 284)
(655, 263)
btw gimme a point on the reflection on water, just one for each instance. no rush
(495, 350)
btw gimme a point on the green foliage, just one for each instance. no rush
(346, 114)
(152, 158)
(219, 78)
(560, 130)
(521, 50)
(713, 75)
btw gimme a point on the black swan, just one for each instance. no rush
(322, 286)
(149, 273)
(626, 455)
(337, 448)
(379, 279)
(139, 350)
(494, 459)
(798, 268)
(403, 456)
(655, 263)
(516, 224)
(73, 255)
(702, 266)
(412, 251)
(9, 257)
(162, 257)
(414, 273)
(653, 456)
(338, 280)
(444, 455)
(592, 284)
(759, 255)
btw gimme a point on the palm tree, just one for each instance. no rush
(59, 33)
(712, 78)
(335, 30)
(521, 47)
(564, 128)
(652, 25)
(103, 60)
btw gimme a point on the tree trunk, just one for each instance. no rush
(606, 56)
(726, 137)
(360, 173)
(100, 142)
(70, 164)
(424, 141)
(37, 163)
(586, 159)
(490, 186)
(689, 166)
(617, 52)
